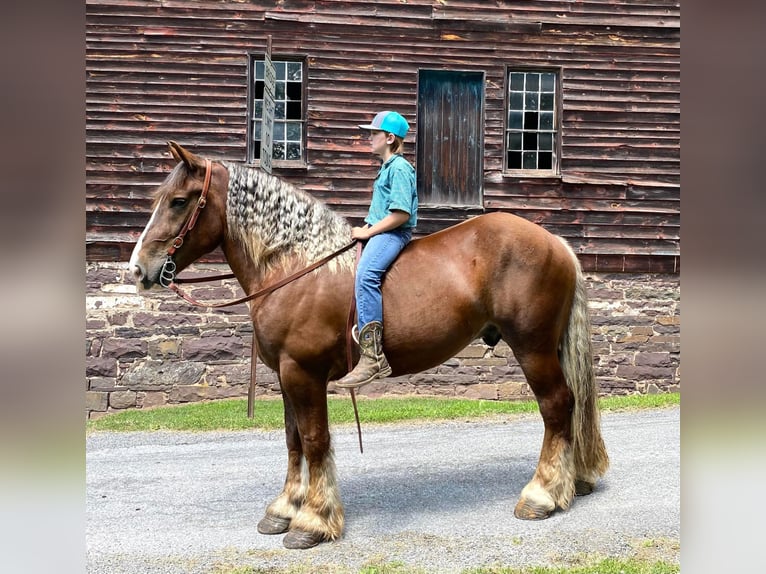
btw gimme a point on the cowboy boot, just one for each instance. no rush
(372, 362)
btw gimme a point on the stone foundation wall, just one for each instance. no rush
(149, 350)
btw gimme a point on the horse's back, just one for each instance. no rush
(495, 269)
(497, 239)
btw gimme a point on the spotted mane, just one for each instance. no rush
(275, 221)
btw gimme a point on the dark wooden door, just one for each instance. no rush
(450, 145)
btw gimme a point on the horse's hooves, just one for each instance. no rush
(273, 525)
(526, 510)
(300, 539)
(583, 488)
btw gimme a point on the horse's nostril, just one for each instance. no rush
(137, 271)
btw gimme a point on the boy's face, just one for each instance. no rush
(379, 142)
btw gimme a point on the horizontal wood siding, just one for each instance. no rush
(161, 70)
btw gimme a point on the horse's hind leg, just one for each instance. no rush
(284, 508)
(321, 515)
(553, 484)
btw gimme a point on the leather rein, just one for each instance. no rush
(169, 280)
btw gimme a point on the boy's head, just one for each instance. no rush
(390, 123)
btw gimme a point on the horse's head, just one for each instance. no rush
(185, 223)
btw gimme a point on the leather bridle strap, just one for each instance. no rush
(266, 290)
(349, 346)
(201, 202)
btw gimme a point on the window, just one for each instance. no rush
(532, 128)
(289, 134)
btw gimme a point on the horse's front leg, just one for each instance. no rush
(553, 484)
(285, 507)
(321, 516)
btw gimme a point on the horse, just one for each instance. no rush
(495, 276)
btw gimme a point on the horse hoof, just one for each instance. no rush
(300, 539)
(273, 525)
(583, 488)
(526, 510)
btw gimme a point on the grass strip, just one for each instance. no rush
(231, 414)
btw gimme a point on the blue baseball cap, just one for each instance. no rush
(391, 122)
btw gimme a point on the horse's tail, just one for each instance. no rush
(576, 357)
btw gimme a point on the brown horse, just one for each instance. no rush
(495, 276)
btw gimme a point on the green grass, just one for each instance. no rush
(231, 414)
(605, 566)
(598, 566)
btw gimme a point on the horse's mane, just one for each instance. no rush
(277, 222)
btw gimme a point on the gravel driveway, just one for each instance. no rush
(438, 496)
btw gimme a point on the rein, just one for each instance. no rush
(169, 280)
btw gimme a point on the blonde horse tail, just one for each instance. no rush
(576, 358)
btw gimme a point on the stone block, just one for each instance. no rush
(101, 366)
(101, 383)
(124, 348)
(164, 348)
(512, 390)
(122, 399)
(96, 400)
(190, 393)
(653, 360)
(214, 349)
(486, 391)
(162, 375)
(642, 373)
(151, 399)
(472, 352)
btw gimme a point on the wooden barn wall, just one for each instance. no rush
(174, 69)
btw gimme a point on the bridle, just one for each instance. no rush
(168, 271)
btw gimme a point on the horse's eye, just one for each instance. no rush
(178, 202)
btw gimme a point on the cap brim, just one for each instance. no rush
(369, 127)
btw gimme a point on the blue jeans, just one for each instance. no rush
(378, 255)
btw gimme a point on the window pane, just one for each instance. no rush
(279, 131)
(279, 91)
(546, 120)
(546, 102)
(294, 91)
(293, 131)
(514, 140)
(530, 141)
(294, 110)
(258, 108)
(293, 151)
(278, 150)
(259, 90)
(259, 69)
(257, 131)
(294, 71)
(530, 120)
(279, 110)
(517, 100)
(548, 82)
(531, 101)
(533, 82)
(280, 69)
(515, 120)
(517, 81)
(514, 160)
(530, 160)
(545, 160)
(546, 141)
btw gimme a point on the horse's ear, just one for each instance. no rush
(193, 162)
